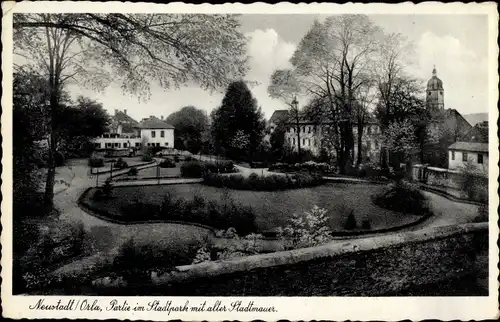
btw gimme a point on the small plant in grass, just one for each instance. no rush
(306, 230)
(147, 157)
(107, 189)
(120, 164)
(365, 224)
(350, 222)
(133, 172)
(176, 158)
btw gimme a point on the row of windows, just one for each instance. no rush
(305, 142)
(125, 145)
(153, 134)
(310, 129)
(465, 157)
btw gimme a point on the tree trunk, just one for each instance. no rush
(360, 137)
(51, 173)
(298, 141)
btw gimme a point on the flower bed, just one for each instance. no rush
(263, 183)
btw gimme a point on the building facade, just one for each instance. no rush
(474, 154)
(125, 133)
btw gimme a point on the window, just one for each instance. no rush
(464, 156)
(166, 143)
(479, 158)
(308, 142)
(124, 145)
(309, 129)
(303, 141)
(97, 145)
(293, 142)
(429, 93)
(137, 144)
(453, 155)
(162, 134)
(153, 134)
(157, 144)
(149, 144)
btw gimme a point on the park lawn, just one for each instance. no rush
(164, 172)
(275, 209)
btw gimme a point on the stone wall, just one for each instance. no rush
(381, 265)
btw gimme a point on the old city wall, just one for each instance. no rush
(381, 265)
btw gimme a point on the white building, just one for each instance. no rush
(474, 153)
(156, 132)
(125, 133)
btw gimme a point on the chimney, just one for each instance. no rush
(125, 111)
(116, 111)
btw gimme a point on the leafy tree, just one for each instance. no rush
(131, 49)
(29, 98)
(78, 123)
(238, 124)
(190, 124)
(400, 138)
(279, 147)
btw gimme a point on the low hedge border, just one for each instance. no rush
(107, 216)
(121, 169)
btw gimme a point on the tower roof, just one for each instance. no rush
(434, 83)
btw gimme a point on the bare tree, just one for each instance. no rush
(332, 62)
(131, 49)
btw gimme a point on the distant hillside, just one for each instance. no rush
(475, 118)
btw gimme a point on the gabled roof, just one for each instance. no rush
(154, 123)
(279, 116)
(479, 133)
(469, 146)
(121, 117)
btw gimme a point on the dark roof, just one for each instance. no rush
(126, 122)
(469, 146)
(479, 133)
(154, 123)
(279, 116)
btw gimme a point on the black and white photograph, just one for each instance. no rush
(225, 153)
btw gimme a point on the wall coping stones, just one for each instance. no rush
(329, 250)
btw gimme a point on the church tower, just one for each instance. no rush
(435, 93)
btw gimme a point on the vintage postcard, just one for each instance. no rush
(249, 162)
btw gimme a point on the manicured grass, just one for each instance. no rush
(151, 172)
(274, 209)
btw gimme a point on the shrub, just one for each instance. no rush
(176, 158)
(107, 189)
(365, 224)
(192, 169)
(309, 229)
(147, 157)
(350, 222)
(263, 183)
(167, 163)
(309, 166)
(54, 245)
(96, 161)
(120, 164)
(135, 261)
(59, 159)
(133, 172)
(404, 197)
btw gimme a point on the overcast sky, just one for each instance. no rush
(456, 44)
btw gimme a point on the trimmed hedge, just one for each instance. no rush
(263, 183)
(197, 169)
(310, 166)
(167, 163)
(220, 215)
(404, 197)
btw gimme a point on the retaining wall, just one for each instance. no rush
(364, 267)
